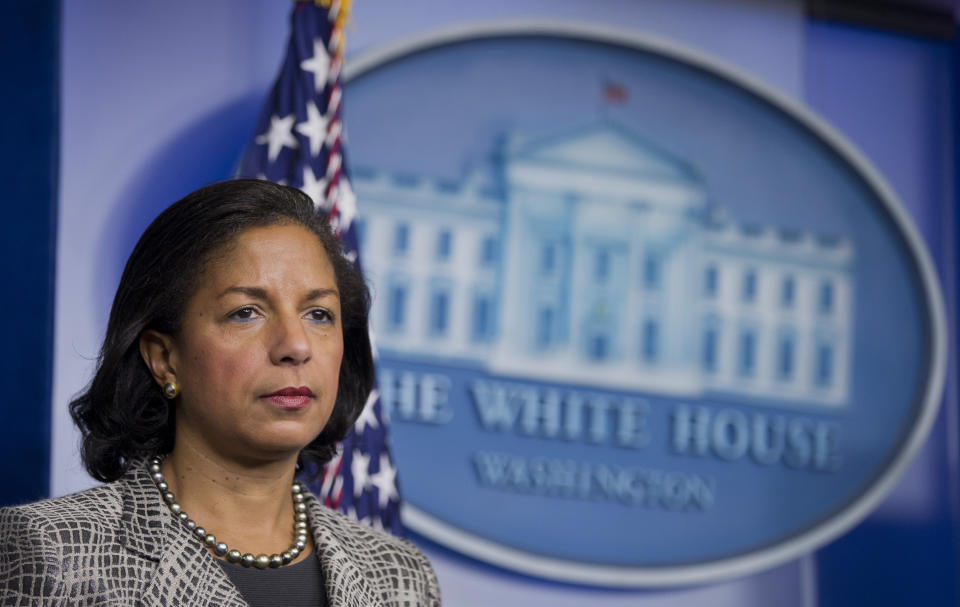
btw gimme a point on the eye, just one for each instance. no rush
(319, 315)
(244, 314)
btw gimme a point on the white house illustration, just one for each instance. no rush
(592, 257)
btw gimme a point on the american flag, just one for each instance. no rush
(299, 142)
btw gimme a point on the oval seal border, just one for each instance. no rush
(819, 534)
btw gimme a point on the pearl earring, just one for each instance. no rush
(171, 389)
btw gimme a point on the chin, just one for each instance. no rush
(283, 445)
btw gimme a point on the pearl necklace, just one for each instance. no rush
(261, 561)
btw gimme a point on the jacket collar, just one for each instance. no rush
(187, 573)
(347, 584)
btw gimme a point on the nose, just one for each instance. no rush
(291, 345)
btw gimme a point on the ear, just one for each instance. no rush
(159, 352)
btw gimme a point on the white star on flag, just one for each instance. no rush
(279, 135)
(319, 64)
(314, 128)
(359, 467)
(347, 203)
(385, 481)
(334, 464)
(368, 416)
(313, 187)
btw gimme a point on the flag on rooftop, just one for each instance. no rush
(614, 92)
(299, 142)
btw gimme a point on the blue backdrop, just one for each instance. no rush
(894, 97)
(29, 124)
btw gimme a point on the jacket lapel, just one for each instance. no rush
(188, 575)
(185, 574)
(346, 584)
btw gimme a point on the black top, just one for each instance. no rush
(297, 585)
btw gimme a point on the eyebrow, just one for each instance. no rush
(260, 293)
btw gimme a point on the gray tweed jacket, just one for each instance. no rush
(119, 545)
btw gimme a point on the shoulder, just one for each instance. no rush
(67, 516)
(359, 537)
(40, 542)
(394, 564)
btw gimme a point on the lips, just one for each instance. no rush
(290, 398)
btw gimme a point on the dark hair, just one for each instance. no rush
(123, 415)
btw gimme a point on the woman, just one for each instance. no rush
(236, 351)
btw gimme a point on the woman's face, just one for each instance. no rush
(258, 356)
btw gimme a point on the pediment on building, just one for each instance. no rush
(604, 146)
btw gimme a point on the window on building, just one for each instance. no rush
(650, 341)
(601, 265)
(482, 325)
(444, 244)
(785, 347)
(401, 239)
(746, 360)
(825, 297)
(397, 307)
(439, 312)
(651, 271)
(750, 286)
(787, 289)
(544, 336)
(599, 346)
(548, 258)
(711, 338)
(710, 280)
(488, 251)
(823, 365)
